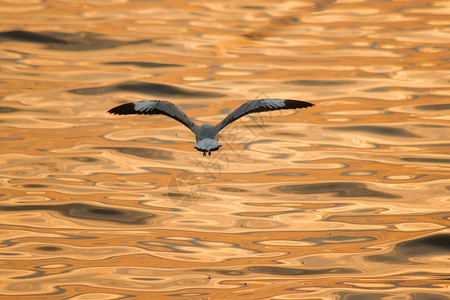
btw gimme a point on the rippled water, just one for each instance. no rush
(345, 200)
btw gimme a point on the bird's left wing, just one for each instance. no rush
(260, 106)
(155, 107)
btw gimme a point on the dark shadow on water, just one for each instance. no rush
(90, 212)
(149, 153)
(368, 295)
(232, 190)
(224, 272)
(430, 245)
(286, 174)
(31, 37)
(190, 295)
(146, 88)
(35, 186)
(80, 41)
(434, 107)
(49, 248)
(7, 110)
(297, 271)
(84, 159)
(340, 239)
(359, 296)
(321, 82)
(427, 160)
(428, 296)
(380, 130)
(141, 64)
(339, 189)
(281, 271)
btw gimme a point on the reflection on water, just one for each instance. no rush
(348, 199)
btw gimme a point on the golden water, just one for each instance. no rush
(345, 200)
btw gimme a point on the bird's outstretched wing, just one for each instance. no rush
(260, 106)
(155, 107)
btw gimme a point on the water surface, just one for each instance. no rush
(345, 200)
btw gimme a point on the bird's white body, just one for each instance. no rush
(206, 139)
(206, 134)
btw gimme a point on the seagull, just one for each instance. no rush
(206, 134)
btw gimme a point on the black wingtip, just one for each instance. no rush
(124, 109)
(297, 104)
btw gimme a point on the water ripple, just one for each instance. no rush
(347, 199)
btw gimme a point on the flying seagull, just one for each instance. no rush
(206, 134)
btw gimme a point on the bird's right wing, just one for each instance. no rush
(155, 107)
(260, 106)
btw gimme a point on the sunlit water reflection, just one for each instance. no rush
(348, 199)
